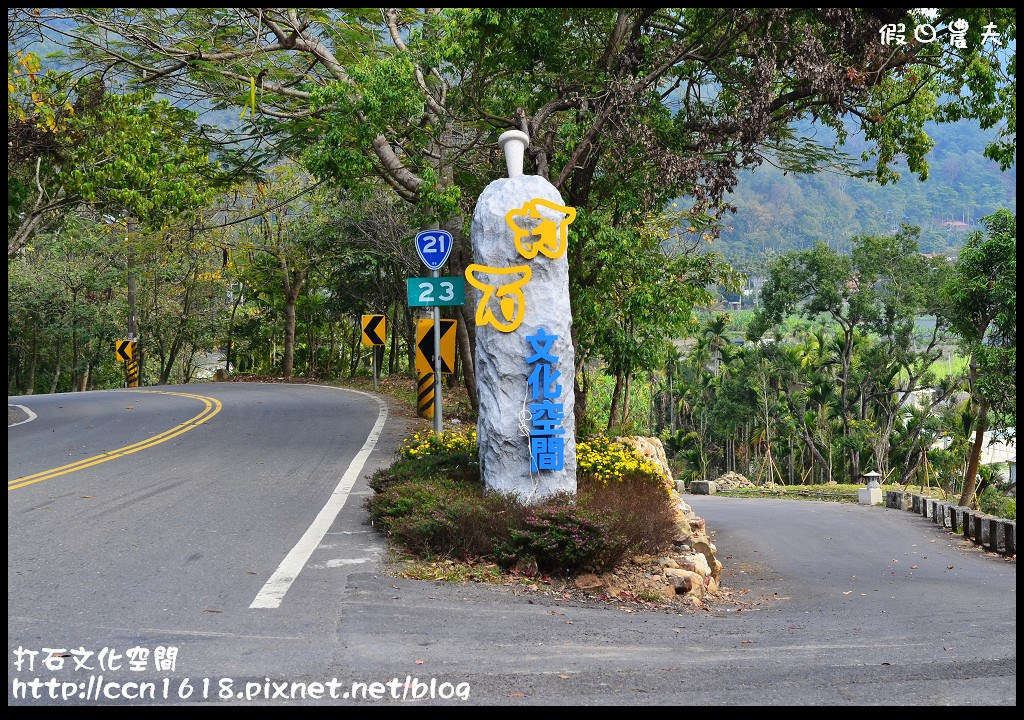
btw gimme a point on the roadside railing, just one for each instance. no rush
(996, 534)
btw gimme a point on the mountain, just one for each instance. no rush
(780, 211)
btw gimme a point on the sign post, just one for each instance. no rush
(126, 351)
(437, 365)
(374, 334)
(434, 247)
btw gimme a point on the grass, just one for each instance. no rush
(836, 493)
(451, 571)
(841, 493)
(403, 389)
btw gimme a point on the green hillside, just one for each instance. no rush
(779, 211)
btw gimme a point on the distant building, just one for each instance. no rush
(955, 225)
(997, 452)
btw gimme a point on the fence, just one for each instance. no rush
(996, 534)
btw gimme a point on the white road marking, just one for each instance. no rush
(31, 415)
(338, 562)
(273, 592)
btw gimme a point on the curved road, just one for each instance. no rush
(172, 544)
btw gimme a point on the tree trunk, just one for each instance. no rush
(393, 347)
(616, 393)
(353, 357)
(466, 355)
(410, 338)
(311, 344)
(333, 349)
(289, 336)
(627, 404)
(33, 362)
(56, 369)
(231, 334)
(971, 475)
(580, 384)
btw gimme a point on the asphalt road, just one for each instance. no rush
(172, 544)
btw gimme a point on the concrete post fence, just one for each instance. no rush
(996, 534)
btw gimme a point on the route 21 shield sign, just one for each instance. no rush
(434, 247)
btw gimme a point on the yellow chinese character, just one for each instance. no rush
(510, 296)
(553, 233)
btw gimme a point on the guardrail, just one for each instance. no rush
(996, 534)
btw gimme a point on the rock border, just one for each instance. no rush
(995, 534)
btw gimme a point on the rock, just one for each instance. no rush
(668, 592)
(711, 586)
(652, 449)
(716, 570)
(705, 548)
(685, 581)
(732, 480)
(501, 368)
(695, 562)
(643, 559)
(684, 530)
(703, 487)
(667, 562)
(611, 583)
(697, 526)
(589, 582)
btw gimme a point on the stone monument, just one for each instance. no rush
(519, 296)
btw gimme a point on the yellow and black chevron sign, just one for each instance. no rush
(425, 396)
(374, 330)
(425, 346)
(123, 350)
(133, 364)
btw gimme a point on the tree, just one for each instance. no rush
(881, 287)
(982, 293)
(618, 103)
(72, 143)
(640, 296)
(288, 239)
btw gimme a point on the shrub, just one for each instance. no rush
(564, 537)
(994, 502)
(451, 455)
(641, 514)
(431, 501)
(452, 449)
(442, 517)
(602, 460)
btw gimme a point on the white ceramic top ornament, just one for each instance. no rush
(513, 143)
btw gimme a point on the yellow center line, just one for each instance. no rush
(212, 406)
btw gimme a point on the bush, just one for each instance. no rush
(994, 502)
(431, 500)
(602, 460)
(449, 449)
(451, 455)
(564, 537)
(442, 517)
(639, 512)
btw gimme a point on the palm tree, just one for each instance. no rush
(712, 339)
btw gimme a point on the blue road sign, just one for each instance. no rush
(434, 247)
